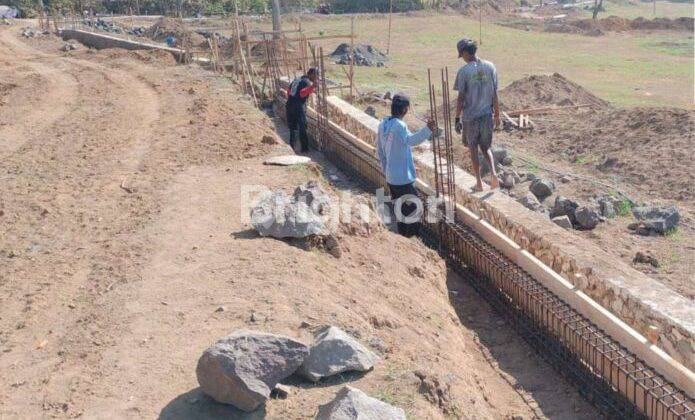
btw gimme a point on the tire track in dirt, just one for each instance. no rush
(24, 116)
(54, 223)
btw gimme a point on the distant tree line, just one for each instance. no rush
(29, 8)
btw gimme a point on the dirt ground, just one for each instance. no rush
(123, 255)
(649, 148)
(644, 153)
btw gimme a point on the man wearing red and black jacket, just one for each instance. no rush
(297, 94)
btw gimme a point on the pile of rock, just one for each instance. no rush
(32, 33)
(244, 368)
(362, 54)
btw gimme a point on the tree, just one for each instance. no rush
(598, 6)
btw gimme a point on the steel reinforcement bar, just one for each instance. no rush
(615, 380)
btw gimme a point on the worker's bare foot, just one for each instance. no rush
(478, 187)
(494, 183)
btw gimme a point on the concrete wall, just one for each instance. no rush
(103, 41)
(638, 300)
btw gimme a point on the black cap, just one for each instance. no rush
(466, 45)
(401, 99)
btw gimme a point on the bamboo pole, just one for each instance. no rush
(352, 59)
(388, 45)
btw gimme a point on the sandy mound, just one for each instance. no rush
(165, 27)
(150, 57)
(539, 91)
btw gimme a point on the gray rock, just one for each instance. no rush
(334, 352)
(587, 217)
(314, 196)
(388, 95)
(531, 177)
(563, 222)
(542, 188)
(352, 404)
(565, 179)
(508, 181)
(506, 161)
(530, 202)
(500, 154)
(371, 111)
(564, 207)
(243, 368)
(279, 216)
(659, 219)
(67, 47)
(287, 160)
(607, 207)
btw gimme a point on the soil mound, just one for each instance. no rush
(618, 24)
(165, 27)
(539, 91)
(364, 55)
(150, 57)
(647, 147)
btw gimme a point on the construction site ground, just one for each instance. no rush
(123, 255)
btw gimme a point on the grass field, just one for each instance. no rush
(628, 69)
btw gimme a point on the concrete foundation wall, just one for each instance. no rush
(638, 300)
(102, 41)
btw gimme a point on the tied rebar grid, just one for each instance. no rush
(445, 184)
(616, 381)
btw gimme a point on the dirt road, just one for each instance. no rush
(123, 255)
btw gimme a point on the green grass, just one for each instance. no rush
(672, 46)
(624, 208)
(630, 69)
(581, 159)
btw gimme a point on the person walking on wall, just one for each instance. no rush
(477, 108)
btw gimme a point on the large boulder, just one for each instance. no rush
(353, 404)
(277, 215)
(659, 219)
(243, 368)
(542, 188)
(564, 207)
(587, 217)
(334, 352)
(530, 202)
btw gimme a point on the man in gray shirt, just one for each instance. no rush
(477, 107)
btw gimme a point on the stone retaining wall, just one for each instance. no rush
(637, 299)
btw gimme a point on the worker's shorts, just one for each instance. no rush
(478, 132)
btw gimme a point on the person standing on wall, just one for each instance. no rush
(477, 108)
(394, 142)
(298, 92)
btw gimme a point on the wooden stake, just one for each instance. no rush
(352, 58)
(388, 45)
